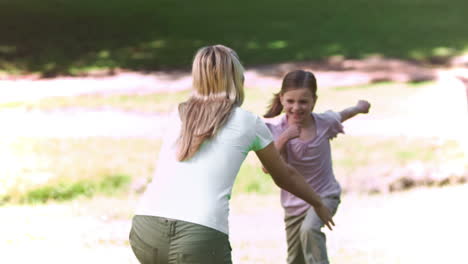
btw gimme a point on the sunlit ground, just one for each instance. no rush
(420, 226)
(425, 225)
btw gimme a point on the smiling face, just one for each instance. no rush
(298, 104)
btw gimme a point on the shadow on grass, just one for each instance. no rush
(54, 37)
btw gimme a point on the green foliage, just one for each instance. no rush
(251, 179)
(116, 163)
(66, 168)
(65, 190)
(73, 37)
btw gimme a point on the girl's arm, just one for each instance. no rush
(362, 107)
(289, 179)
(293, 131)
(464, 80)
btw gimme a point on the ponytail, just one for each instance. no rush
(275, 107)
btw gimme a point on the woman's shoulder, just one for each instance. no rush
(243, 114)
(243, 111)
(247, 118)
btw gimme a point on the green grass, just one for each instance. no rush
(30, 165)
(369, 164)
(251, 178)
(71, 37)
(38, 170)
(65, 190)
(66, 166)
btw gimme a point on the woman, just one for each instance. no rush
(183, 215)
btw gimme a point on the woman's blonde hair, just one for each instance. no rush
(218, 83)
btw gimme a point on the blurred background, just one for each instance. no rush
(86, 86)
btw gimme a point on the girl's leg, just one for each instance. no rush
(293, 225)
(313, 240)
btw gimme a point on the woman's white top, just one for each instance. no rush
(198, 190)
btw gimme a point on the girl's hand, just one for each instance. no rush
(463, 79)
(293, 131)
(363, 106)
(324, 215)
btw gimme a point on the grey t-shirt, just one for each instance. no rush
(312, 158)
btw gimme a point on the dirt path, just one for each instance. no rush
(330, 73)
(434, 103)
(77, 123)
(418, 226)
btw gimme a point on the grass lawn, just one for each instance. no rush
(72, 164)
(70, 37)
(36, 170)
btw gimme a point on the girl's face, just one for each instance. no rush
(298, 104)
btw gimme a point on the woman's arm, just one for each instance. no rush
(289, 179)
(362, 107)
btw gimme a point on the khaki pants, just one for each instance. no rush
(158, 240)
(306, 241)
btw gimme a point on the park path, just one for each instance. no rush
(27, 89)
(66, 123)
(75, 123)
(369, 229)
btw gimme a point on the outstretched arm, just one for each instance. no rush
(288, 178)
(464, 80)
(362, 107)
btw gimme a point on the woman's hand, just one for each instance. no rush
(288, 178)
(325, 215)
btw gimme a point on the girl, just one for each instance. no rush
(302, 137)
(183, 215)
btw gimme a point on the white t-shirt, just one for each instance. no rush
(198, 190)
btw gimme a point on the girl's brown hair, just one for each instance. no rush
(218, 80)
(293, 80)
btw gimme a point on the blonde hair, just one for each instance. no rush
(218, 83)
